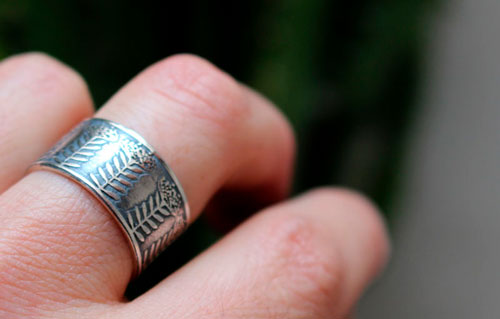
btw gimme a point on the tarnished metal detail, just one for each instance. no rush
(122, 170)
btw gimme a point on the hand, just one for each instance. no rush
(63, 256)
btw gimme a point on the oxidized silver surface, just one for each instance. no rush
(121, 169)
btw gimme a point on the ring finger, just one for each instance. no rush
(59, 244)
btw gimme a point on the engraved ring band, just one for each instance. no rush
(124, 173)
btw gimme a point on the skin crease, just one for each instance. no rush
(63, 256)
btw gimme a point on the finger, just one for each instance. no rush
(308, 258)
(210, 116)
(211, 131)
(40, 100)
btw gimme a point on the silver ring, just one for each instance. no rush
(124, 173)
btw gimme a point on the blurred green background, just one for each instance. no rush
(345, 73)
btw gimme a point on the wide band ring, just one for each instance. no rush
(124, 173)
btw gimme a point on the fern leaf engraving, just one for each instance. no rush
(147, 216)
(155, 249)
(176, 226)
(117, 175)
(84, 146)
(161, 208)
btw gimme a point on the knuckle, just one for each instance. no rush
(306, 267)
(200, 89)
(44, 74)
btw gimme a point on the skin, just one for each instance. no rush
(63, 256)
